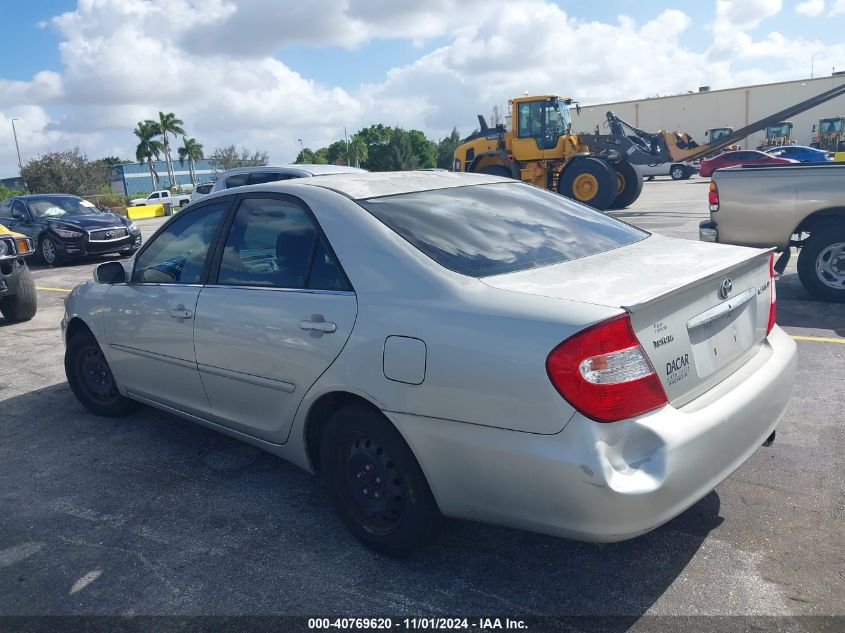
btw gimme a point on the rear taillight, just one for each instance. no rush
(773, 295)
(604, 372)
(713, 197)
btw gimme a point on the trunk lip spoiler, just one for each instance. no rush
(758, 253)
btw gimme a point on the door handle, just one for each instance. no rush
(318, 324)
(181, 313)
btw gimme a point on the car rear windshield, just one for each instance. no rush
(485, 230)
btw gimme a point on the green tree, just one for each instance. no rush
(424, 150)
(192, 151)
(401, 155)
(229, 157)
(149, 147)
(357, 151)
(446, 150)
(169, 124)
(65, 172)
(309, 157)
(110, 161)
(338, 153)
(377, 140)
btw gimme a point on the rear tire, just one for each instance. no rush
(629, 185)
(375, 483)
(590, 181)
(22, 305)
(821, 265)
(90, 378)
(496, 170)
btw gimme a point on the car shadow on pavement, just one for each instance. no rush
(152, 514)
(797, 308)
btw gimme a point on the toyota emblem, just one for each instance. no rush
(725, 288)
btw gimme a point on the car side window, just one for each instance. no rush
(177, 255)
(258, 178)
(6, 209)
(153, 195)
(273, 243)
(19, 210)
(237, 180)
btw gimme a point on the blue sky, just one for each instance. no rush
(267, 72)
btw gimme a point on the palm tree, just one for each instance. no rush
(192, 151)
(169, 124)
(148, 146)
(357, 151)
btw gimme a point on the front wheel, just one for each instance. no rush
(591, 181)
(375, 483)
(22, 305)
(90, 378)
(678, 172)
(48, 251)
(821, 265)
(496, 170)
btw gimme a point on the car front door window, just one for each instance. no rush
(177, 255)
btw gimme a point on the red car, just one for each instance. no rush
(742, 157)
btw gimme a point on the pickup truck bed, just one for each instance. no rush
(781, 206)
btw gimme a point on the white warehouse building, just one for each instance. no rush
(697, 112)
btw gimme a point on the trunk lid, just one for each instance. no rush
(694, 335)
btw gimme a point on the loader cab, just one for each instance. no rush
(715, 133)
(537, 125)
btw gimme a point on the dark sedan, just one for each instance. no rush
(63, 227)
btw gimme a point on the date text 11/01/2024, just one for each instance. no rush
(481, 624)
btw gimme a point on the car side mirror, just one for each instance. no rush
(110, 273)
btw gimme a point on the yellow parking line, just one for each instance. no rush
(819, 339)
(53, 289)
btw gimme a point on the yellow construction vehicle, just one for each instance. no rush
(777, 135)
(537, 145)
(830, 135)
(715, 133)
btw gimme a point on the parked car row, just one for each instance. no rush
(63, 227)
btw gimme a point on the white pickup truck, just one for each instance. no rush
(785, 206)
(162, 197)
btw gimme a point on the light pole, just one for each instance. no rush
(15, 134)
(301, 147)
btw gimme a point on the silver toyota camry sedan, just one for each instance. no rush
(438, 344)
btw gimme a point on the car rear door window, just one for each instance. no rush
(274, 243)
(177, 255)
(492, 229)
(261, 177)
(237, 180)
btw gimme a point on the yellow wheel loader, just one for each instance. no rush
(539, 147)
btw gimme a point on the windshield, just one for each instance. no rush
(60, 206)
(835, 125)
(781, 129)
(487, 230)
(719, 132)
(558, 120)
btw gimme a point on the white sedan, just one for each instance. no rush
(439, 344)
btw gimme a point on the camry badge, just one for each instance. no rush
(725, 287)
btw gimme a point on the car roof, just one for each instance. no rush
(295, 170)
(812, 149)
(389, 183)
(42, 196)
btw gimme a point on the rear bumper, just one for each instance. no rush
(606, 482)
(708, 231)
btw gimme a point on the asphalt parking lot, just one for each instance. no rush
(154, 515)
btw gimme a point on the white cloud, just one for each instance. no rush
(838, 7)
(810, 8)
